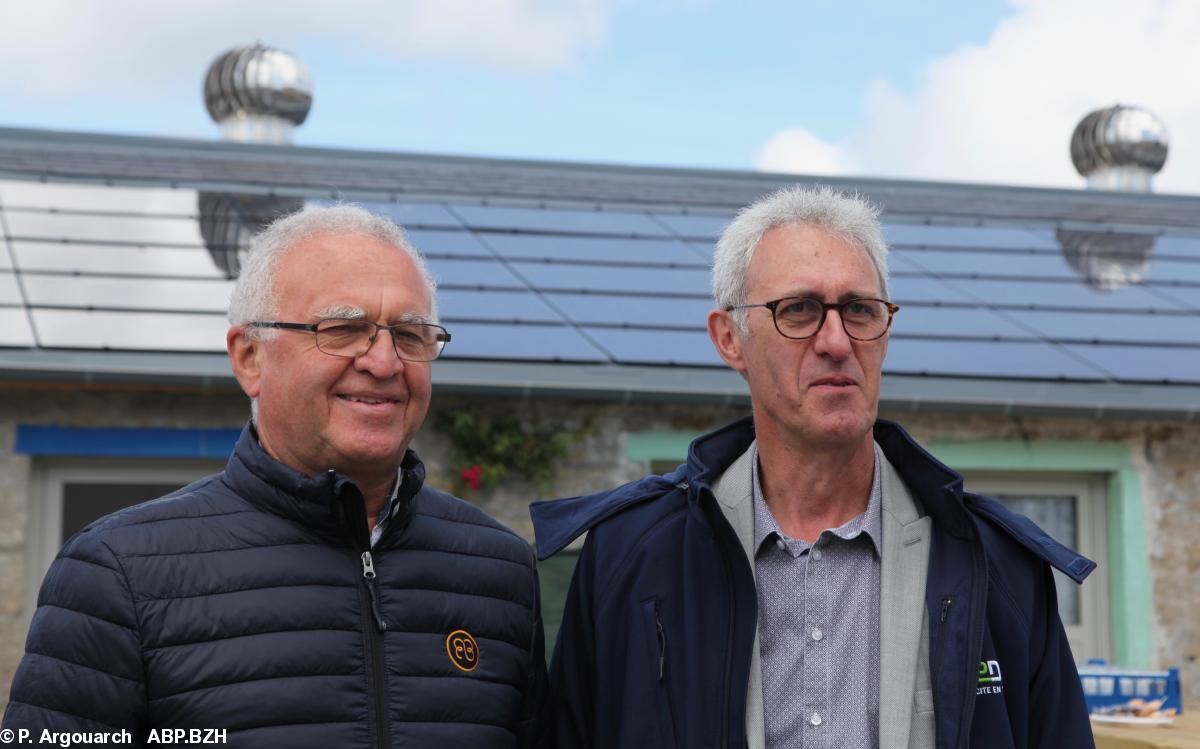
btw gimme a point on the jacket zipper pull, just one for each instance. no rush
(369, 575)
(946, 609)
(662, 645)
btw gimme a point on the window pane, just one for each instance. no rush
(1057, 516)
(83, 503)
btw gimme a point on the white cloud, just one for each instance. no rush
(1004, 111)
(62, 48)
(798, 151)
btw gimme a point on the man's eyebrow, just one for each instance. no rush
(412, 317)
(341, 311)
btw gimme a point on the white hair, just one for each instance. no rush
(254, 294)
(851, 218)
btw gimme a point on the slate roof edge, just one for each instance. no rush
(633, 384)
(714, 189)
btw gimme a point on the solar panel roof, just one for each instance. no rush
(615, 278)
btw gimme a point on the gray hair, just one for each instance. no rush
(255, 296)
(851, 218)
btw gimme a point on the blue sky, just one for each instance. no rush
(986, 90)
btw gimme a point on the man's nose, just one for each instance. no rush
(831, 340)
(381, 360)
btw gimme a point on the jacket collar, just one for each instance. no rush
(328, 502)
(938, 488)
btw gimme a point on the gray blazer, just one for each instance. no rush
(905, 691)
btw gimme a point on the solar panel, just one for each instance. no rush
(1112, 326)
(64, 196)
(472, 273)
(14, 328)
(414, 214)
(83, 258)
(614, 279)
(135, 230)
(925, 290)
(1146, 363)
(1043, 294)
(520, 342)
(85, 291)
(494, 305)
(693, 225)
(985, 359)
(453, 243)
(965, 322)
(564, 220)
(1183, 246)
(1168, 270)
(658, 346)
(594, 249)
(969, 236)
(10, 293)
(966, 262)
(130, 330)
(614, 309)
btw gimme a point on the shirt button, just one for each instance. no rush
(817, 634)
(815, 719)
(816, 555)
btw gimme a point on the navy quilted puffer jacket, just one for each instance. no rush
(245, 602)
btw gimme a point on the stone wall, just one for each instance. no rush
(1168, 456)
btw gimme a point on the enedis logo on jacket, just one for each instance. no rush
(990, 681)
(463, 650)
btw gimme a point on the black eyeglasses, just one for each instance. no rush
(802, 317)
(412, 341)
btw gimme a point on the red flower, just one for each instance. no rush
(473, 476)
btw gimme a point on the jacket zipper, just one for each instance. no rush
(975, 643)
(941, 642)
(662, 644)
(373, 632)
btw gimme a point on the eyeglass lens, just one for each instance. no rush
(412, 341)
(801, 317)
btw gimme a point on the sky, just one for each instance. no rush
(976, 91)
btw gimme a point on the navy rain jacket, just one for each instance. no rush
(245, 602)
(655, 644)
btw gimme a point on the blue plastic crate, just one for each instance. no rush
(1105, 685)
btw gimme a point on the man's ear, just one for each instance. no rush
(244, 358)
(726, 338)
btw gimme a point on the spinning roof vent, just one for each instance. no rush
(1119, 148)
(258, 94)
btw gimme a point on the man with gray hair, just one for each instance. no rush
(811, 577)
(316, 593)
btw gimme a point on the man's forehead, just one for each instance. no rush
(804, 254)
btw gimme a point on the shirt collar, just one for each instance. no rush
(869, 522)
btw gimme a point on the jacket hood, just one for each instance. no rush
(559, 522)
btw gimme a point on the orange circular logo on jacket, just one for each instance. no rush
(463, 650)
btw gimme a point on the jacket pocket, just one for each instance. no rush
(656, 647)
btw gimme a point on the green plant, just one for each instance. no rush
(485, 450)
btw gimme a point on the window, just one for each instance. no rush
(1072, 509)
(69, 493)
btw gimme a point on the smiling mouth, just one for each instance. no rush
(367, 400)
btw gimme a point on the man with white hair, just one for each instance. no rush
(811, 577)
(316, 593)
